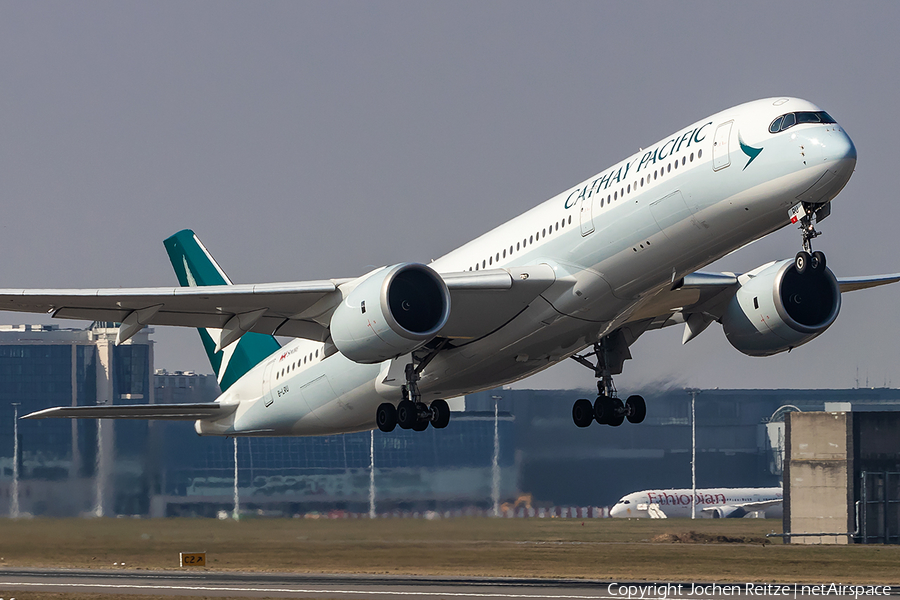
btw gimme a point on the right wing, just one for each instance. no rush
(481, 301)
(286, 309)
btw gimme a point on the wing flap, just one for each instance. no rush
(169, 412)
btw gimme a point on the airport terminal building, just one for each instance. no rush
(84, 467)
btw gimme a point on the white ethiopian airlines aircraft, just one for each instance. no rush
(715, 503)
(592, 268)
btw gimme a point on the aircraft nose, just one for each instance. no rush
(831, 157)
(829, 146)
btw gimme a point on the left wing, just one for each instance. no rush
(739, 509)
(701, 298)
(850, 284)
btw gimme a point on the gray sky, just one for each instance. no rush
(313, 140)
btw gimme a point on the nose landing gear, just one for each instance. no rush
(815, 262)
(809, 215)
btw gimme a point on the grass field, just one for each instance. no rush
(609, 549)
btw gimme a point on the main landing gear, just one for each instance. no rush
(608, 408)
(411, 412)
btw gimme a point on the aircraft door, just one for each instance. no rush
(721, 156)
(268, 375)
(587, 216)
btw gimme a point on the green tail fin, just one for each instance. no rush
(195, 266)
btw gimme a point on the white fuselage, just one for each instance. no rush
(614, 241)
(677, 503)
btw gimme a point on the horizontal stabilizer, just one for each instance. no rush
(168, 412)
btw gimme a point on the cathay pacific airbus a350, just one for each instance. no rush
(581, 276)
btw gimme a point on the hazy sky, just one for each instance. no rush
(312, 140)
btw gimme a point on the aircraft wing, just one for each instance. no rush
(167, 412)
(701, 298)
(286, 305)
(850, 284)
(744, 507)
(481, 301)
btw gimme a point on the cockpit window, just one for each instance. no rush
(790, 119)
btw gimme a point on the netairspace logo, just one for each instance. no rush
(662, 591)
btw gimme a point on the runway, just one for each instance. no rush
(290, 585)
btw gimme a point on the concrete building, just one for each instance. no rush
(842, 478)
(73, 466)
(740, 440)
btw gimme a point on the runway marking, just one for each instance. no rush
(191, 588)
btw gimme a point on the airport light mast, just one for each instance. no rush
(14, 500)
(235, 514)
(495, 463)
(372, 474)
(693, 393)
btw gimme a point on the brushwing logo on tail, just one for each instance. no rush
(214, 334)
(187, 271)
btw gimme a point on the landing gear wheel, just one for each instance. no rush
(603, 409)
(635, 409)
(583, 412)
(618, 414)
(817, 261)
(421, 412)
(801, 261)
(386, 417)
(406, 414)
(440, 411)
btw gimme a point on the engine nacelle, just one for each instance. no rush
(779, 309)
(727, 512)
(393, 311)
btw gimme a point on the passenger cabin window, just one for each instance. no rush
(796, 118)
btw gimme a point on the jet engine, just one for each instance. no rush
(726, 512)
(779, 308)
(391, 312)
